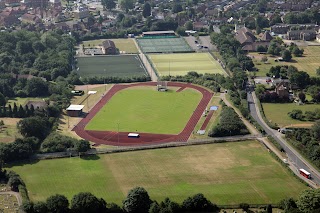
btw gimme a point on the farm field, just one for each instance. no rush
(182, 63)
(143, 109)
(124, 45)
(115, 66)
(308, 63)
(226, 173)
(278, 113)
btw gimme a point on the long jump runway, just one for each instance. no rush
(121, 138)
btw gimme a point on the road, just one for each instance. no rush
(294, 157)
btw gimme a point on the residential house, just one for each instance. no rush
(35, 3)
(306, 35)
(10, 3)
(282, 87)
(81, 12)
(108, 47)
(30, 18)
(249, 41)
(8, 19)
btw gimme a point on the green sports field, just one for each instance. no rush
(278, 113)
(115, 66)
(226, 173)
(144, 109)
(164, 45)
(182, 63)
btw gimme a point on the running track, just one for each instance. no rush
(121, 138)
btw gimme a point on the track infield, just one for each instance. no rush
(226, 173)
(180, 130)
(182, 63)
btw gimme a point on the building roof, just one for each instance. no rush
(37, 104)
(108, 43)
(245, 35)
(73, 107)
(266, 36)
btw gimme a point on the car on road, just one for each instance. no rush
(196, 42)
(205, 47)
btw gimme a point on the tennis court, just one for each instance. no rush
(182, 63)
(164, 45)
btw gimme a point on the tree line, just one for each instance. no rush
(138, 200)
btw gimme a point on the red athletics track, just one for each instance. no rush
(121, 138)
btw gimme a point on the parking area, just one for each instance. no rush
(202, 44)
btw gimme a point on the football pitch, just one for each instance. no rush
(144, 109)
(226, 173)
(115, 66)
(182, 63)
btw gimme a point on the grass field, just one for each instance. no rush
(124, 45)
(22, 101)
(163, 45)
(182, 63)
(116, 66)
(308, 63)
(9, 132)
(226, 173)
(144, 109)
(278, 113)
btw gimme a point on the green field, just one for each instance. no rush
(308, 63)
(226, 173)
(182, 63)
(163, 45)
(144, 109)
(123, 45)
(278, 113)
(116, 66)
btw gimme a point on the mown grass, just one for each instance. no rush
(143, 109)
(182, 63)
(308, 63)
(227, 173)
(278, 113)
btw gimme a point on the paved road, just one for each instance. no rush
(292, 154)
(206, 41)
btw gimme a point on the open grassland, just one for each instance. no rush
(308, 63)
(9, 132)
(182, 63)
(144, 109)
(124, 45)
(226, 173)
(125, 66)
(278, 113)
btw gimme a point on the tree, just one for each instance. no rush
(302, 96)
(301, 79)
(198, 203)
(87, 202)
(296, 114)
(288, 204)
(316, 130)
(177, 7)
(146, 12)
(2, 100)
(309, 201)
(297, 52)
(40, 207)
(82, 146)
(58, 204)
(137, 200)
(34, 126)
(126, 5)
(318, 71)
(109, 4)
(286, 55)
(36, 87)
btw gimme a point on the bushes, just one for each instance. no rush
(230, 124)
